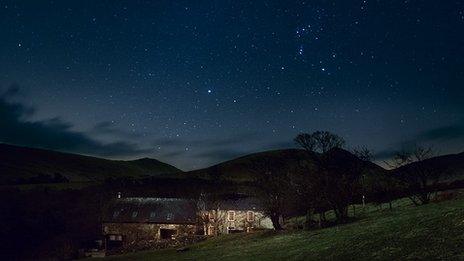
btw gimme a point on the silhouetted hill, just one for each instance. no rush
(240, 169)
(451, 165)
(21, 164)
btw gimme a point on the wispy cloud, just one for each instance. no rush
(109, 128)
(449, 133)
(56, 134)
(445, 133)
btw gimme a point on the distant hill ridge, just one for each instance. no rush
(452, 165)
(22, 163)
(239, 169)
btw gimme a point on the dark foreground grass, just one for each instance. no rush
(434, 231)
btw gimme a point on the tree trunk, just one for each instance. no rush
(309, 219)
(276, 221)
(341, 213)
(323, 216)
(390, 204)
(337, 214)
(322, 219)
(425, 198)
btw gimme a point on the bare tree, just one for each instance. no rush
(420, 176)
(335, 177)
(306, 141)
(310, 196)
(319, 141)
(274, 190)
(209, 214)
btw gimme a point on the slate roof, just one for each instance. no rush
(241, 204)
(151, 210)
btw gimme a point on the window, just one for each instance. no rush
(250, 216)
(115, 214)
(134, 214)
(211, 230)
(152, 214)
(169, 216)
(212, 215)
(115, 238)
(231, 215)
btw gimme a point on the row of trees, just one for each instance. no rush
(330, 178)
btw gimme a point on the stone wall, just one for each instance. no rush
(140, 236)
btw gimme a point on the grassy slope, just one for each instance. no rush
(426, 232)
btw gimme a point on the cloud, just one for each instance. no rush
(446, 133)
(56, 134)
(384, 154)
(450, 133)
(109, 128)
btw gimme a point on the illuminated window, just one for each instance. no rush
(250, 216)
(115, 238)
(231, 215)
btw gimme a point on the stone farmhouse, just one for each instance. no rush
(141, 223)
(136, 223)
(234, 216)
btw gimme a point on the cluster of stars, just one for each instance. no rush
(191, 71)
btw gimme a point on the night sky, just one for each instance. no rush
(194, 83)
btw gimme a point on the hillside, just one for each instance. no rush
(451, 165)
(240, 169)
(429, 232)
(23, 163)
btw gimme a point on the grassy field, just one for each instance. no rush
(434, 231)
